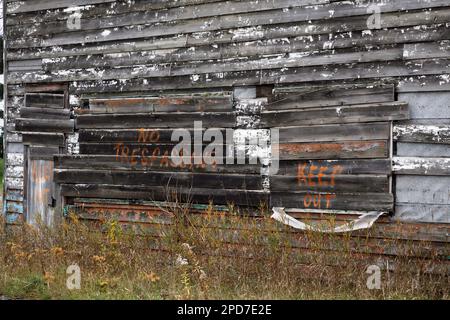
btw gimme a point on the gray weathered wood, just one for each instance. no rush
(422, 133)
(421, 166)
(44, 125)
(330, 183)
(156, 120)
(332, 132)
(334, 150)
(361, 166)
(358, 201)
(44, 100)
(386, 111)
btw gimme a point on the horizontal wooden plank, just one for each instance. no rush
(421, 166)
(424, 50)
(427, 83)
(342, 201)
(37, 5)
(56, 139)
(155, 178)
(422, 189)
(14, 195)
(338, 132)
(54, 88)
(13, 137)
(44, 113)
(14, 159)
(13, 183)
(422, 133)
(14, 171)
(42, 153)
(301, 97)
(329, 182)
(434, 150)
(360, 166)
(44, 125)
(139, 163)
(26, 65)
(333, 150)
(419, 102)
(14, 207)
(156, 120)
(44, 100)
(161, 104)
(90, 10)
(386, 111)
(425, 213)
(148, 151)
(135, 136)
(14, 147)
(190, 195)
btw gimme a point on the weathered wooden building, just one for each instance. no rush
(357, 90)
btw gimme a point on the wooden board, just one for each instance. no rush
(202, 195)
(344, 201)
(44, 113)
(155, 178)
(140, 135)
(105, 162)
(334, 150)
(161, 104)
(155, 120)
(422, 133)
(344, 132)
(44, 125)
(342, 114)
(303, 97)
(43, 100)
(361, 166)
(56, 139)
(421, 166)
(329, 182)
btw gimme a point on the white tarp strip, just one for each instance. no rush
(365, 221)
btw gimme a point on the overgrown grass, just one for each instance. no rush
(208, 256)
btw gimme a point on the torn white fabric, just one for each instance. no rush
(364, 221)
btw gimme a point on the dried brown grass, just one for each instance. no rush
(208, 256)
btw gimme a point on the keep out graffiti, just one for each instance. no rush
(315, 178)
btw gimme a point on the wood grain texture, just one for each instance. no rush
(195, 195)
(155, 120)
(138, 163)
(334, 150)
(344, 201)
(44, 125)
(330, 183)
(360, 166)
(342, 114)
(155, 178)
(338, 132)
(421, 166)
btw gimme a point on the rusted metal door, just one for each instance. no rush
(39, 192)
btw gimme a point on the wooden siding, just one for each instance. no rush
(422, 159)
(332, 87)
